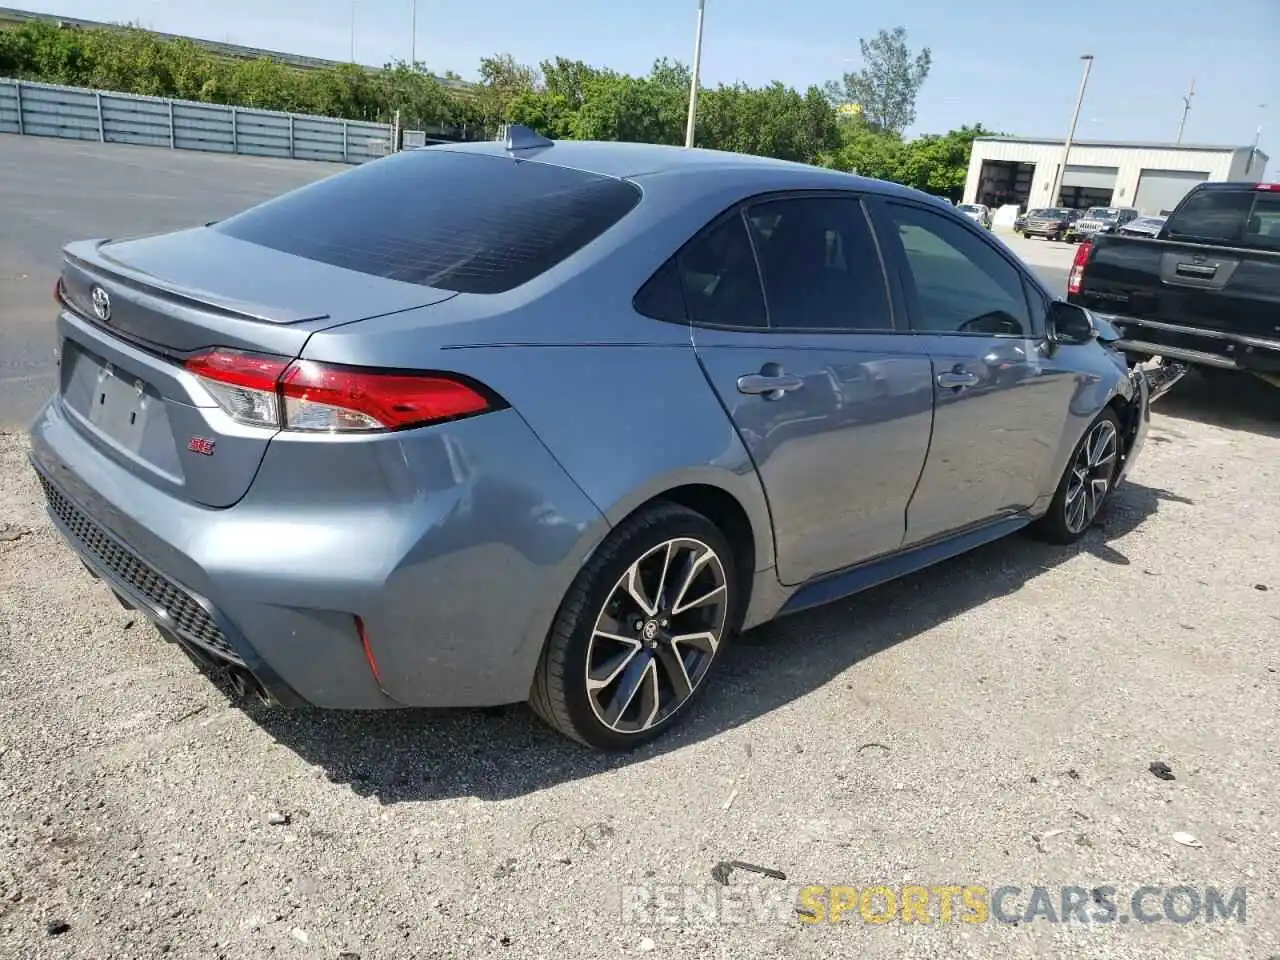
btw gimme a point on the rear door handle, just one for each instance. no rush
(1199, 270)
(771, 387)
(955, 379)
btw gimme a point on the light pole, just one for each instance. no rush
(1066, 147)
(693, 84)
(353, 30)
(413, 33)
(1186, 109)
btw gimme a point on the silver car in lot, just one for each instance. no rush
(524, 420)
(977, 212)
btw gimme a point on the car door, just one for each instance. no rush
(793, 323)
(999, 404)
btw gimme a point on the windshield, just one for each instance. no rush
(969, 208)
(1103, 213)
(1050, 212)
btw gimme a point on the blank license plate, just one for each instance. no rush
(119, 407)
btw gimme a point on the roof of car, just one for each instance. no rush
(631, 160)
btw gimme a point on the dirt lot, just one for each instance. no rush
(988, 722)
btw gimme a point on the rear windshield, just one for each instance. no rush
(457, 221)
(1247, 217)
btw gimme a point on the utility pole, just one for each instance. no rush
(1253, 151)
(693, 85)
(1186, 109)
(413, 33)
(1075, 117)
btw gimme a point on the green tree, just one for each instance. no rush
(887, 85)
(502, 79)
(620, 107)
(939, 164)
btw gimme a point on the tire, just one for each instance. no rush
(1067, 520)
(606, 642)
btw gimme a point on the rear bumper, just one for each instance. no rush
(453, 545)
(1210, 348)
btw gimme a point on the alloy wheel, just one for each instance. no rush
(1091, 476)
(657, 635)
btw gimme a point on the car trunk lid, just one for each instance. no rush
(133, 312)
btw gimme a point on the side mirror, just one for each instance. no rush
(1070, 324)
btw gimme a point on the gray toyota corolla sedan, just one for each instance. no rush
(523, 420)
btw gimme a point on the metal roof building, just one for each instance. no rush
(1150, 176)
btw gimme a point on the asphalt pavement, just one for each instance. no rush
(56, 191)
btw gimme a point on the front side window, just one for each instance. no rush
(820, 265)
(961, 282)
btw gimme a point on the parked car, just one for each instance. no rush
(1052, 223)
(1100, 218)
(1143, 226)
(1203, 291)
(976, 212)
(452, 430)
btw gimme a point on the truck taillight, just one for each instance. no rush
(1076, 277)
(306, 395)
(1272, 187)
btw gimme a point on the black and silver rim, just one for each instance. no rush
(1091, 474)
(654, 641)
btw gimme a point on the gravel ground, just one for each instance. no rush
(990, 721)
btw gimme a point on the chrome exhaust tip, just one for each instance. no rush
(239, 683)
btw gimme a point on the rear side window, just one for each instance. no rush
(820, 265)
(455, 221)
(1219, 215)
(1263, 226)
(719, 279)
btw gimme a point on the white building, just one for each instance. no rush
(1150, 176)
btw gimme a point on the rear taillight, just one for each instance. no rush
(1076, 277)
(1272, 187)
(244, 384)
(306, 395)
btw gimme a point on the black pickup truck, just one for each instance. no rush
(1204, 292)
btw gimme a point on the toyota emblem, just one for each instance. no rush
(101, 304)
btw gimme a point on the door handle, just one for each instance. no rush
(955, 379)
(771, 387)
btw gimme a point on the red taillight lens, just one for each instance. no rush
(1075, 279)
(322, 397)
(306, 395)
(1273, 187)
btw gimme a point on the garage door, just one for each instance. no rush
(1095, 178)
(1160, 190)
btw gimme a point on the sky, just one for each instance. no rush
(1012, 65)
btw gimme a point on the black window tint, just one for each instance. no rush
(719, 278)
(820, 265)
(1212, 215)
(962, 283)
(660, 297)
(457, 221)
(1263, 227)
